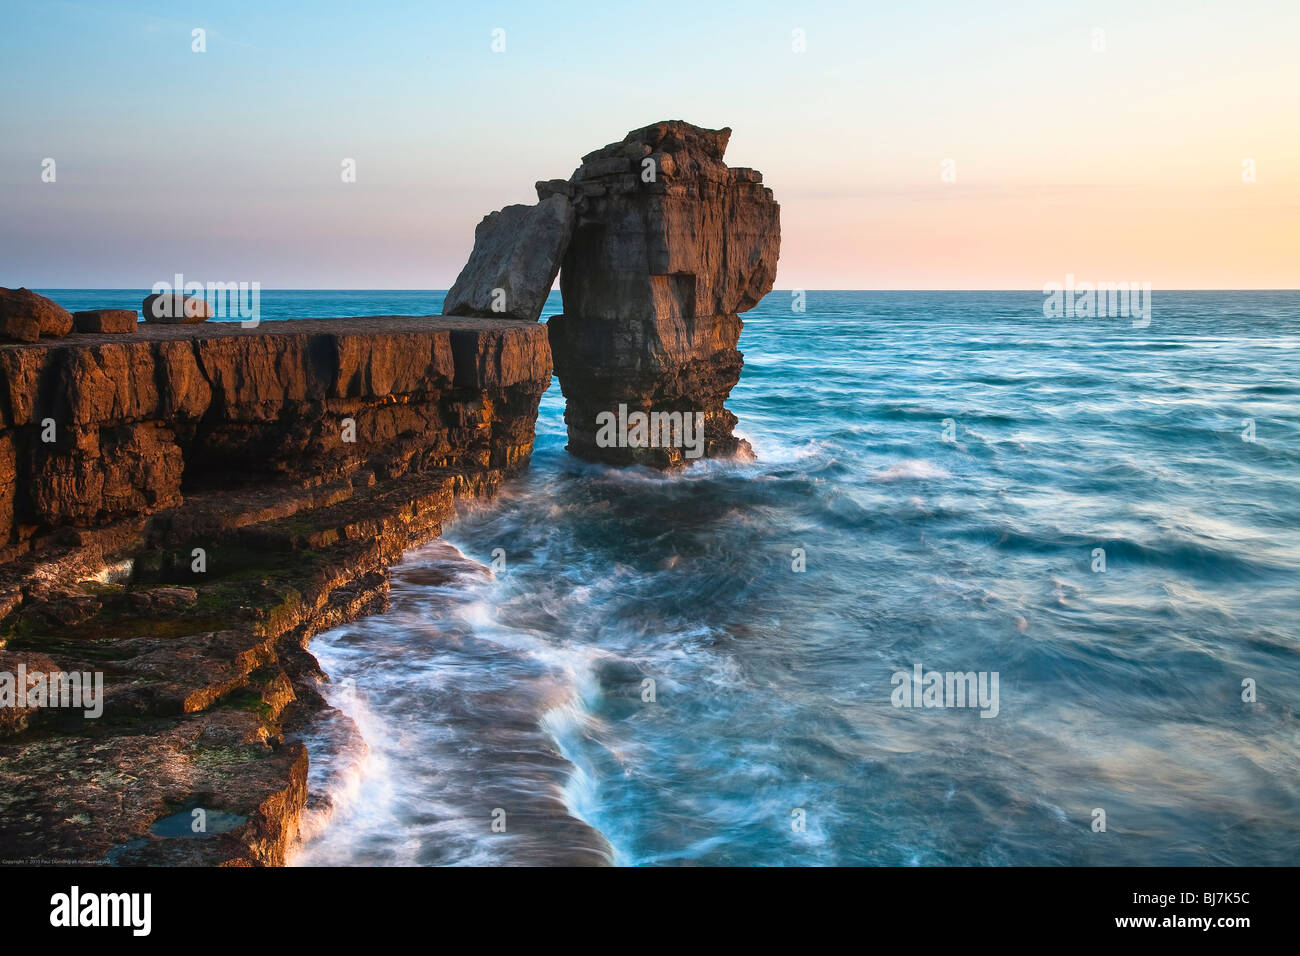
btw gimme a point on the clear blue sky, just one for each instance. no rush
(225, 165)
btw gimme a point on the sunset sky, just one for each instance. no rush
(1119, 164)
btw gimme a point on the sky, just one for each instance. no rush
(919, 145)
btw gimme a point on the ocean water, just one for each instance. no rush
(949, 464)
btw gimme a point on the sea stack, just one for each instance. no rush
(670, 244)
(659, 246)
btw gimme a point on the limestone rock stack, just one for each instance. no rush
(659, 246)
(670, 244)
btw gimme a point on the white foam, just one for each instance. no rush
(911, 469)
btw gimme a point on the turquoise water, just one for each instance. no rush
(522, 689)
(278, 303)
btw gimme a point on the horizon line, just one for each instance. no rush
(791, 289)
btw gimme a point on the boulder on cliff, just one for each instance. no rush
(669, 245)
(26, 316)
(106, 320)
(171, 308)
(516, 256)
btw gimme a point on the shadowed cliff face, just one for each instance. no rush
(109, 427)
(669, 245)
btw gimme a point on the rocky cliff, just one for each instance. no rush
(181, 510)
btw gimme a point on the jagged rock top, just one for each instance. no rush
(678, 149)
(672, 135)
(683, 156)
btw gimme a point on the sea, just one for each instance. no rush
(1090, 523)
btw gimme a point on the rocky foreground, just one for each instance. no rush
(180, 510)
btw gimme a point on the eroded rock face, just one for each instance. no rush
(517, 253)
(94, 432)
(669, 245)
(610, 370)
(26, 316)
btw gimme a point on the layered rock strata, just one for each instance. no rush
(209, 498)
